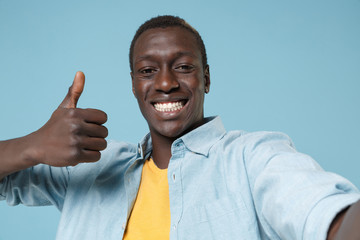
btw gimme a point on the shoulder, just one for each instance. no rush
(253, 151)
(250, 142)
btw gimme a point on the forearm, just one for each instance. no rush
(16, 154)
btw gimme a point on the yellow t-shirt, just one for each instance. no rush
(150, 217)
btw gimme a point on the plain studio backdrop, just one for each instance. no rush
(289, 66)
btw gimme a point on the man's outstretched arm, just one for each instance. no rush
(72, 135)
(346, 226)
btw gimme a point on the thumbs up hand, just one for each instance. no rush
(72, 135)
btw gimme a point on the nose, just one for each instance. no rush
(166, 81)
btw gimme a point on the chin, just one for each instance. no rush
(168, 131)
(171, 133)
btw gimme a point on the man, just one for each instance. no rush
(188, 178)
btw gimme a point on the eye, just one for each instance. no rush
(186, 68)
(147, 71)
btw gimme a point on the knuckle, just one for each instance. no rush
(75, 129)
(74, 157)
(72, 141)
(97, 156)
(105, 117)
(72, 113)
(101, 115)
(75, 144)
(103, 144)
(106, 131)
(94, 156)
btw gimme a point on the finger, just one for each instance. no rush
(93, 144)
(93, 115)
(72, 97)
(90, 156)
(95, 130)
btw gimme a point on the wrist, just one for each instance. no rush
(31, 152)
(16, 154)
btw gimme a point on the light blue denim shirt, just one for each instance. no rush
(222, 185)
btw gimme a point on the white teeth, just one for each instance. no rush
(168, 107)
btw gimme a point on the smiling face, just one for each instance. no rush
(169, 81)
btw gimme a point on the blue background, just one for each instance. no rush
(290, 66)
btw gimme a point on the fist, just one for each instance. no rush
(72, 135)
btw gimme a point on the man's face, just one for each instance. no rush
(169, 81)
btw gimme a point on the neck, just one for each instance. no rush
(161, 152)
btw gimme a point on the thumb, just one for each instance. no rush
(74, 93)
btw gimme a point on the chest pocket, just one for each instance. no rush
(224, 218)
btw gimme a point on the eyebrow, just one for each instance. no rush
(178, 55)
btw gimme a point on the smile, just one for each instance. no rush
(169, 106)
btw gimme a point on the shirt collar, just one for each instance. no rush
(213, 130)
(201, 139)
(145, 147)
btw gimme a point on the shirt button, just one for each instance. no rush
(174, 227)
(123, 226)
(139, 150)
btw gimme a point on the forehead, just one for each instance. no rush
(170, 40)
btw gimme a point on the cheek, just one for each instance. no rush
(198, 90)
(140, 89)
(195, 82)
(201, 82)
(139, 93)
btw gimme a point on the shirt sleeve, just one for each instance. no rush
(40, 185)
(294, 197)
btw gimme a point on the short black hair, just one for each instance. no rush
(164, 22)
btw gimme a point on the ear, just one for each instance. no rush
(207, 78)
(132, 83)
